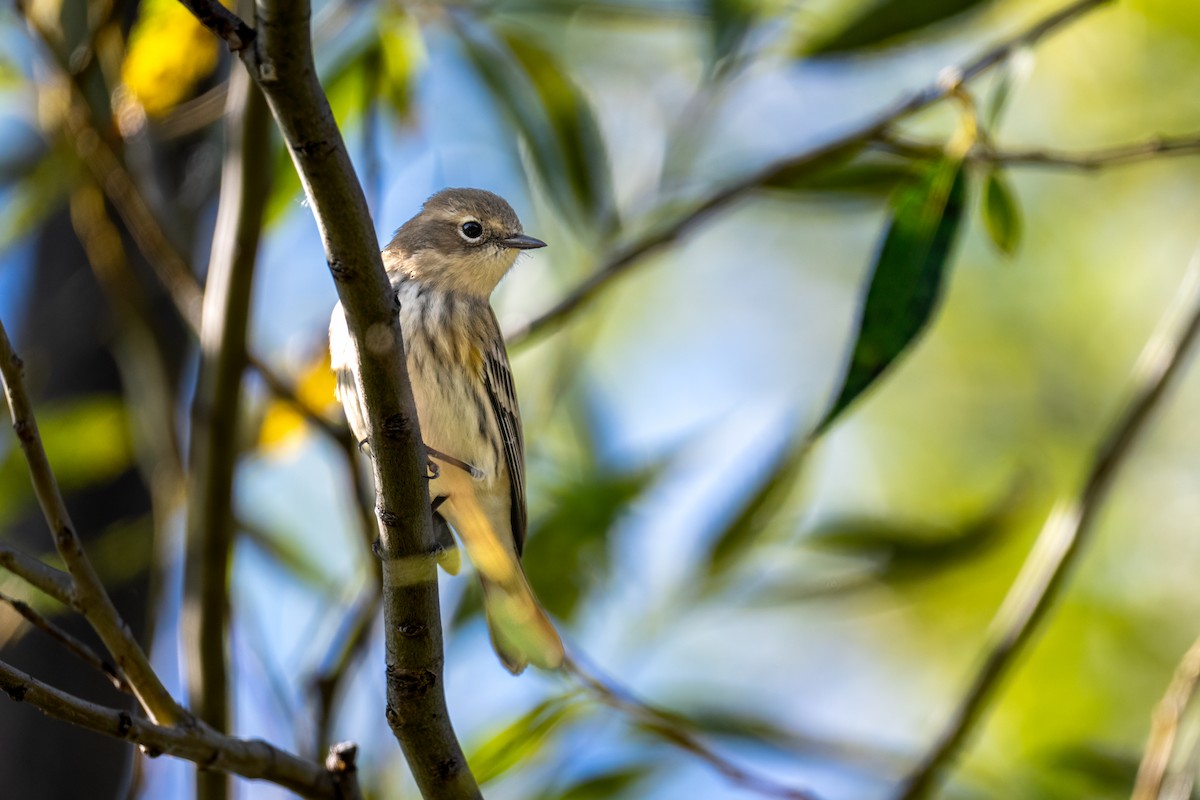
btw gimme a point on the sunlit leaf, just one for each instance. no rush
(760, 505)
(522, 739)
(168, 53)
(880, 22)
(552, 115)
(1001, 217)
(402, 54)
(87, 441)
(282, 424)
(906, 279)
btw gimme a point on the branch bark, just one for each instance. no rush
(251, 759)
(1062, 539)
(245, 187)
(802, 163)
(281, 62)
(89, 595)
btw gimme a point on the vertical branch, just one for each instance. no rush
(88, 593)
(1064, 535)
(281, 61)
(225, 316)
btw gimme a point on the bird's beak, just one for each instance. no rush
(522, 242)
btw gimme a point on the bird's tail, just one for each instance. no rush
(521, 632)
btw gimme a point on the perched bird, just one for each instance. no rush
(443, 265)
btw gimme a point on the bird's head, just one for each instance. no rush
(463, 240)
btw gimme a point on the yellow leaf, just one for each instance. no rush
(168, 53)
(283, 426)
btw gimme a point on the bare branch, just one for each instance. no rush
(77, 648)
(1090, 160)
(802, 163)
(1064, 535)
(251, 759)
(53, 582)
(245, 186)
(282, 64)
(91, 598)
(223, 22)
(1164, 730)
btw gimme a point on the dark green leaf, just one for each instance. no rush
(1000, 214)
(882, 21)
(906, 279)
(552, 115)
(568, 549)
(758, 508)
(521, 739)
(869, 176)
(731, 20)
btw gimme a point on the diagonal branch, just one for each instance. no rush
(73, 645)
(281, 62)
(802, 163)
(1087, 161)
(1062, 539)
(90, 597)
(251, 759)
(51, 581)
(1164, 729)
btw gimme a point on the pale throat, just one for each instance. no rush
(475, 273)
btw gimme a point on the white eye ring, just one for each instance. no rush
(471, 230)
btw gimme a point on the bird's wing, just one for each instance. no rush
(502, 393)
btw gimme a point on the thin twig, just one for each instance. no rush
(282, 63)
(91, 598)
(1164, 729)
(245, 187)
(667, 726)
(347, 647)
(251, 759)
(75, 647)
(1088, 160)
(802, 163)
(1067, 530)
(51, 581)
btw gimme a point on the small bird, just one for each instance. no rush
(443, 265)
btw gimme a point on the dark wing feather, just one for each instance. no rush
(497, 378)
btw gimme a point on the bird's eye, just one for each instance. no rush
(471, 230)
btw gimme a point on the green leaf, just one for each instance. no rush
(881, 22)
(1000, 214)
(87, 441)
(402, 55)
(615, 785)
(869, 175)
(757, 508)
(552, 115)
(730, 21)
(569, 546)
(522, 739)
(906, 279)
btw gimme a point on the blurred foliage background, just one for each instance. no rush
(814, 612)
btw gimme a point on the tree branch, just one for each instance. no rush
(281, 63)
(53, 582)
(1087, 161)
(90, 597)
(802, 163)
(1164, 729)
(251, 759)
(1066, 532)
(75, 647)
(245, 187)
